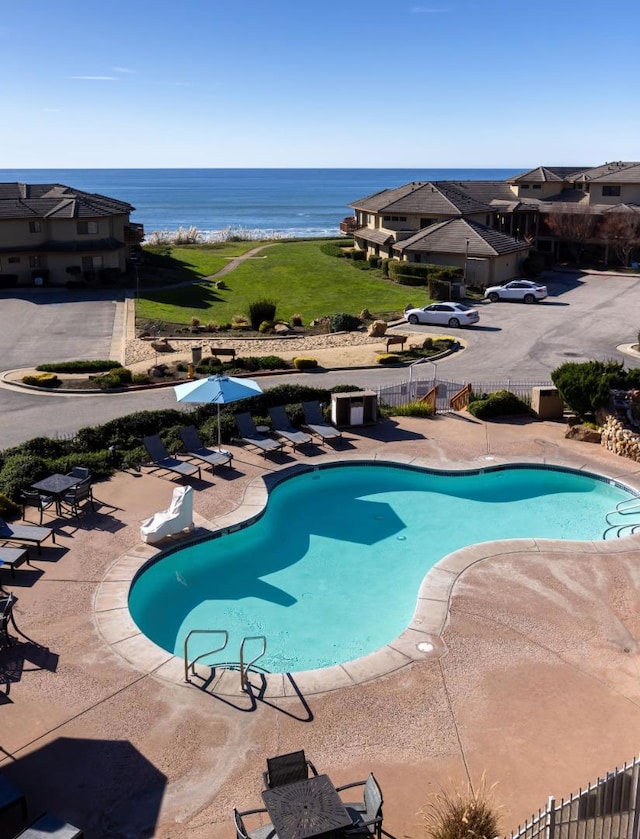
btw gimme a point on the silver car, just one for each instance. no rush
(444, 314)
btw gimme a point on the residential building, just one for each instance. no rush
(387, 223)
(51, 234)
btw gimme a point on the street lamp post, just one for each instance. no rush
(137, 282)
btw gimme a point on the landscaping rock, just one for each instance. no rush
(281, 329)
(583, 433)
(377, 329)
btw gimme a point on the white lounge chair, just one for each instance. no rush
(178, 518)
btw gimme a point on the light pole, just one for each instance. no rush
(466, 258)
(137, 282)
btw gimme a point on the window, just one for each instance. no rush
(34, 227)
(85, 227)
(537, 186)
(92, 262)
(524, 186)
(13, 259)
(610, 190)
(35, 261)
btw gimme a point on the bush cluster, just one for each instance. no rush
(414, 409)
(500, 403)
(42, 380)
(302, 363)
(88, 366)
(331, 249)
(343, 322)
(118, 377)
(586, 386)
(261, 311)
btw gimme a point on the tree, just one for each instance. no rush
(621, 229)
(575, 224)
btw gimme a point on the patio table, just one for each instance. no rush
(56, 486)
(305, 809)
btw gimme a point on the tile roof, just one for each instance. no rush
(451, 237)
(377, 237)
(617, 172)
(441, 198)
(546, 174)
(19, 200)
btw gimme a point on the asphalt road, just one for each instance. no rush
(583, 319)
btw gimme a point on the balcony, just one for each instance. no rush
(348, 225)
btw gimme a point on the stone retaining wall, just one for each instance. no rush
(620, 440)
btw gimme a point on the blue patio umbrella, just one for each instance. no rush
(217, 390)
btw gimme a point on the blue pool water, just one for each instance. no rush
(332, 570)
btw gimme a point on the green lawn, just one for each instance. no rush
(297, 276)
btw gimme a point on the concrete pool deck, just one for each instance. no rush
(537, 684)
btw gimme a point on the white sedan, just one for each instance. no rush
(443, 314)
(525, 290)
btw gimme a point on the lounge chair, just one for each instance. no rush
(249, 434)
(287, 769)
(366, 814)
(13, 558)
(316, 424)
(263, 831)
(176, 519)
(25, 533)
(194, 447)
(49, 826)
(163, 460)
(283, 428)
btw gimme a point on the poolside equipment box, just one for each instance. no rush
(357, 408)
(546, 402)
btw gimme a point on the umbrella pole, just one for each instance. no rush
(219, 434)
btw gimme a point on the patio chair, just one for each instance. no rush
(32, 498)
(163, 460)
(176, 519)
(25, 533)
(263, 831)
(316, 424)
(6, 617)
(250, 434)
(13, 558)
(194, 447)
(283, 428)
(287, 769)
(82, 473)
(78, 495)
(366, 814)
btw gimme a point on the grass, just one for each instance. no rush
(462, 814)
(296, 275)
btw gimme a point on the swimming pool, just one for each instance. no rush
(332, 569)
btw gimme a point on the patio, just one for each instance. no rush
(538, 688)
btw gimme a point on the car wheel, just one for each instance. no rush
(454, 323)
(413, 319)
(494, 297)
(529, 298)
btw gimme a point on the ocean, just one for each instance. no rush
(257, 203)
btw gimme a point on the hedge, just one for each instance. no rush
(500, 403)
(78, 366)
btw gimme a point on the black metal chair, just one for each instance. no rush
(6, 617)
(32, 498)
(287, 769)
(79, 472)
(262, 831)
(78, 495)
(366, 814)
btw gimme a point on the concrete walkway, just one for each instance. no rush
(538, 687)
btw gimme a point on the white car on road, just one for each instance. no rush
(525, 290)
(443, 314)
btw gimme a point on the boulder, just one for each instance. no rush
(377, 329)
(282, 329)
(583, 433)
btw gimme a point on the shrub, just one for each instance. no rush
(140, 379)
(42, 380)
(586, 386)
(211, 326)
(387, 358)
(296, 320)
(99, 463)
(500, 403)
(439, 290)
(115, 378)
(78, 366)
(461, 815)
(331, 249)
(19, 472)
(384, 266)
(301, 363)
(8, 509)
(410, 279)
(343, 322)
(272, 362)
(239, 322)
(414, 409)
(266, 326)
(357, 255)
(195, 323)
(261, 310)
(126, 432)
(373, 260)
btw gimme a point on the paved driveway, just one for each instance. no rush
(55, 326)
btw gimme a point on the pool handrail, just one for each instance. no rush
(244, 669)
(619, 528)
(635, 501)
(202, 655)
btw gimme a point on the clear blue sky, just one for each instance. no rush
(358, 83)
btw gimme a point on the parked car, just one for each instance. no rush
(526, 290)
(444, 314)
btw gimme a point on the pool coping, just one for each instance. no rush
(422, 639)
